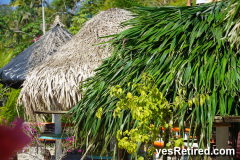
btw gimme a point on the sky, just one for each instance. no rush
(5, 1)
(8, 1)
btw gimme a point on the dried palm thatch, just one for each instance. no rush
(56, 81)
(15, 72)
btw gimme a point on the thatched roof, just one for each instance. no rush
(57, 80)
(15, 72)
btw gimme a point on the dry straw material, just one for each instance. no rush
(57, 80)
(15, 72)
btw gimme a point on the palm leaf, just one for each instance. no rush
(196, 51)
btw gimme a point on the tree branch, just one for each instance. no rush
(16, 31)
(67, 13)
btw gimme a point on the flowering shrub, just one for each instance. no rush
(71, 144)
(29, 129)
(32, 131)
(69, 141)
(36, 38)
(5, 122)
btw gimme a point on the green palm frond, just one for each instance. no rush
(195, 48)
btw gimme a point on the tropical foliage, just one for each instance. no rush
(181, 47)
(195, 49)
(22, 25)
(151, 111)
(19, 28)
(89, 8)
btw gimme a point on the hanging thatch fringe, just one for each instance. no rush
(57, 80)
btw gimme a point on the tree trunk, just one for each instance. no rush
(167, 134)
(122, 154)
(166, 140)
(198, 133)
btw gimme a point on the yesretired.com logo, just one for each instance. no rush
(179, 151)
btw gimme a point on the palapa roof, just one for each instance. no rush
(57, 80)
(15, 72)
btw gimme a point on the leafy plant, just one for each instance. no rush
(150, 111)
(9, 112)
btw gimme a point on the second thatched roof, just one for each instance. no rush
(15, 72)
(57, 80)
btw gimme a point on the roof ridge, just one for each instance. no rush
(57, 22)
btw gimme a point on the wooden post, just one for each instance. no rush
(222, 136)
(56, 118)
(113, 142)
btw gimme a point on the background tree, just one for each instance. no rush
(5, 9)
